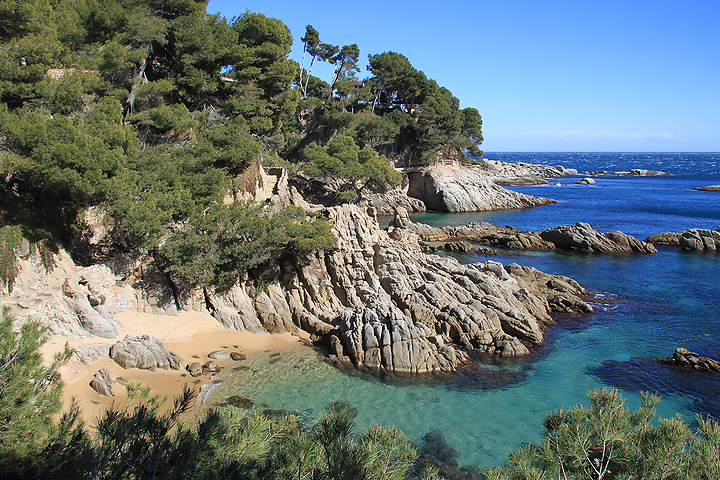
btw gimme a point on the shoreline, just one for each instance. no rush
(191, 335)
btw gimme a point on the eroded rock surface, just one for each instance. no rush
(688, 360)
(694, 239)
(375, 298)
(144, 352)
(464, 189)
(579, 237)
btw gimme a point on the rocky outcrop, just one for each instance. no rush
(464, 189)
(579, 237)
(520, 181)
(582, 237)
(103, 381)
(700, 240)
(695, 239)
(145, 352)
(688, 360)
(586, 181)
(709, 188)
(498, 170)
(386, 203)
(375, 298)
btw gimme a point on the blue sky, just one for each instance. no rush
(545, 75)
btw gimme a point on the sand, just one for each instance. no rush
(192, 335)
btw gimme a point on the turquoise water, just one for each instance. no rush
(655, 303)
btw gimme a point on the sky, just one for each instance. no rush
(546, 76)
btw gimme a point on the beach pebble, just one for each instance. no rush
(218, 355)
(237, 356)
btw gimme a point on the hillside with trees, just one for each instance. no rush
(159, 112)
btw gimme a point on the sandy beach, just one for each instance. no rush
(192, 335)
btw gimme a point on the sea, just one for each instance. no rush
(647, 305)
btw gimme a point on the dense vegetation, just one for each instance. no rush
(160, 113)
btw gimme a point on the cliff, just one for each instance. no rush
(375, 299)
(453, 188)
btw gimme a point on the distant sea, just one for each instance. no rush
(651, 305)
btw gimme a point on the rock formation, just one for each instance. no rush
(102, 382)
(386, 203)
(694, 239)
(582, 237)
(496, 169)
(375, 298)
(579, 237)
(688, 360)
(145, 352)
(464, 189)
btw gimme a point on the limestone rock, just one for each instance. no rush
(211, 367)
(700, 240)
(463, 189)
(144, 352)
(504, 170)
(666, 238)
(581, 237)
(386, 203)
(460, 247)
(520, 181)
(88, 292)
(102, 387)
(694, 239)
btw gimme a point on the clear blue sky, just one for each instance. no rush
(574, 75)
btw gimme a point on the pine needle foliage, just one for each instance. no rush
(607, 441)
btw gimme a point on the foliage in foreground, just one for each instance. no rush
(607, 441)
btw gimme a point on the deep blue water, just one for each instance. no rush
(658, 302)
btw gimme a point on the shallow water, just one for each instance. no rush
(656, 303)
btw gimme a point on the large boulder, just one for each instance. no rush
(700, 240)
(144, 352)
(694, 239)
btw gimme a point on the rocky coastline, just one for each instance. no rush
(580, 237)
(376, 300)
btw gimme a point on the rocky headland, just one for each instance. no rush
(375, 299)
